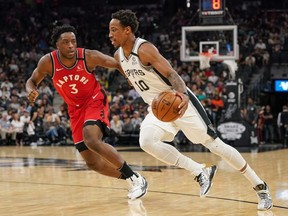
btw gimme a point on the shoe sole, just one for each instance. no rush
(143, 194)
(214, 170)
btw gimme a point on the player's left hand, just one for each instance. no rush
(184, 104)
(32, 95)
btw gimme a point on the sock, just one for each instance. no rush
(126, 171)
(234, 159)
(122, 177)
(188, 164)
(249, 173)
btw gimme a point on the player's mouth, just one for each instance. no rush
(71, 53)
(113, 42)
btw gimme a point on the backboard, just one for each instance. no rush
(197, 39)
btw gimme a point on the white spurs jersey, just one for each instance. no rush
(147, 81)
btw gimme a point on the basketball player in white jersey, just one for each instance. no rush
(150, 74)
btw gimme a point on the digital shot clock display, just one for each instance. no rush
(212, 8)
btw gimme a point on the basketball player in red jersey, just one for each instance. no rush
(71, 71)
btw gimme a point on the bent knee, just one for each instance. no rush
(145, 142)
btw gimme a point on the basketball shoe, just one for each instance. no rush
(205, 179)
(264, 197)
(138, 186)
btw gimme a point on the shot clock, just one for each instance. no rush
(212, 8)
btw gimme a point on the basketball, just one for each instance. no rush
(165, 106)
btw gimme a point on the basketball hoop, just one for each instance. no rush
(205, 58)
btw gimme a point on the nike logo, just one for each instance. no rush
(122, 60)
(59, 69)
(95, 96)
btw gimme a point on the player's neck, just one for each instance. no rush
(128, 47)
(68, 62)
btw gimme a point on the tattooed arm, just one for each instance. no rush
(149, 55)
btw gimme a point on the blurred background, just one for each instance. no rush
(25, 37)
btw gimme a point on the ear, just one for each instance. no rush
(128, 30)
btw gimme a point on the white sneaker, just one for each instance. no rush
(264, 197)
(205, 179)
(138, 186)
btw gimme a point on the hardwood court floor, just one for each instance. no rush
(46, 181)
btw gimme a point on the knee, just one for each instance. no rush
(215, 146)
(91, 141)
(146, 142)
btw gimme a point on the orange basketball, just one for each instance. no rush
(165, 106)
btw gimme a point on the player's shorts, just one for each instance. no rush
(93, 111)
(195, 123)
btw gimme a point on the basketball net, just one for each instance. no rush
(205, 58)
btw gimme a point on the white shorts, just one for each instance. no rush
(192, 124)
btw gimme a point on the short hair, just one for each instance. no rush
(58, 30)
(127, 18)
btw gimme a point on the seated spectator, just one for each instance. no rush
(18, 127)
(136, 121)
(260, 45)
(217, 107)
(6, 129)
(65, 126)
(51, 124)
(209, 90)
(127, 124)
(116, 125)
(7, 84)
(250, 60)
(213, 77)
(45, 89)
(29, 128)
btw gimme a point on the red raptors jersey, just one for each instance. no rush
(75, 84)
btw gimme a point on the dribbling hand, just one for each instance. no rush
(184, 104)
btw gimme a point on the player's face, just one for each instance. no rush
(67, 45)
(118, 34)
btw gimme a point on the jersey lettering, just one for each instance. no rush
(134, 73)
(76, 77)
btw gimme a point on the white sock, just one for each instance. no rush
(251, 175)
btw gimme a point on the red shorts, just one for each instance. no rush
(91, 111)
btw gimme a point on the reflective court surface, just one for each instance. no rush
(44, 181)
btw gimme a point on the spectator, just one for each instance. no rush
(268, 125)
(6, 129)
(260, 125)
(282, 122)
(29, 128)
(127, 124)
(18, 127)
(136, 121)
(250, 112)
(51, 123)
(116, 125)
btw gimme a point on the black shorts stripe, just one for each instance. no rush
(105, 130)
(81, 146)
(210, 129)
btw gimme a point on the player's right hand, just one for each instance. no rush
(32, 95)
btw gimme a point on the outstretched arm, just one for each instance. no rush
(95, 58)
(43, 68)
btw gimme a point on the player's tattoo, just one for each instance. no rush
(177, 82)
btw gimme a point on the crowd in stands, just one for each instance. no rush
(24, 38)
